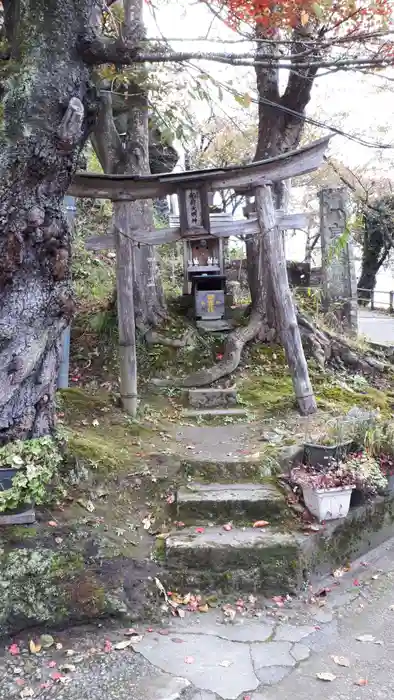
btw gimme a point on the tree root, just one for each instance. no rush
(235, 343)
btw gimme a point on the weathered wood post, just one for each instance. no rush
(339, 276)
(124, 246)
(285, 313)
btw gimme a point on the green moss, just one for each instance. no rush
(77, 401)
(270, 392)
(342, 399)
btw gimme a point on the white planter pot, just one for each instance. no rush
(328, 504)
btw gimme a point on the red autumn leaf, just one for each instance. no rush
(189, 660)
(52, 523)
(107, 646)
(227, 527)
(356, 582)
(46, 685)
(279, 600)
(219, 356)
(164, 633)
(56, 676)
(261, 523)
(150, 629)
(52, 664)
(361, 682)
(170, 499)
(200, 530)
(14, 650)
(179, 523)
(20, 681)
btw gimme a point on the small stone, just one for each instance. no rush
(291, 633)
(300, 652)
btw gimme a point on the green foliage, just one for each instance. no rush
(36, 461)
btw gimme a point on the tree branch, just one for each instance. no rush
(105, 138)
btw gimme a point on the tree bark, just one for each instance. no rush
(48, 110)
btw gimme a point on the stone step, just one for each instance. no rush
(228, 470)
(212, 398)
(245, 558)
(219, 325)
(224, 502)
(207, 412)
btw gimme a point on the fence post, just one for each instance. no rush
(372, 300)
(391, 302)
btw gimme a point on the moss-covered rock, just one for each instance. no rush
(67, 575)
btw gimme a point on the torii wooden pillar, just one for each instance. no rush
(192, 189)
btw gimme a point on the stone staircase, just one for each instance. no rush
(214, 545)
(205, 555)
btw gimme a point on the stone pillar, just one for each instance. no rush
(338, 271)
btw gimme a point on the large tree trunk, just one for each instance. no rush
(46, 114)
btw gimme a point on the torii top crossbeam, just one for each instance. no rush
(134, 187)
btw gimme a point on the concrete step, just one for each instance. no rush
(212, 398)
(226, 471)
(219, 325)
(245, 558)
(224, 502)
(211, 412)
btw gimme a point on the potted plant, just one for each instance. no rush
(26, 469)
(366, 472)
(326, 448)
(326, 490)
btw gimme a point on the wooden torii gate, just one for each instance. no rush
(192, 189)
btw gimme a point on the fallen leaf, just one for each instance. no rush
(170, 499)
(375, 577)
(107, 646)
(58, 540)
(20, 682)
(368, 638)
(189, 660)
(391, 608)
(34, 648)
(56, 676)
(70, 652)
(164, 633)
(247, 697)
(179, 523)
(147, 522)
(161, 589)
(338, 573)
(119, 646)
(46, 641)
(341, 661)
(227, 527)
(200, 530)
(229, 612)
(51, 664)
(176, 640)
(261, 523)
(361, 682)
(225, 664)
(327, 677)
(27, 693)
(14, 650)
(203, 608)
(58, 646)
(279, 600)
(181, 613)
(17, 670)
(356, 582)
(252, 599)
(46, 685)
(88, 505)
(95, 423)
(52, 523)
(68, 668)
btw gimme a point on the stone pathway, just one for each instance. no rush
(270, 651)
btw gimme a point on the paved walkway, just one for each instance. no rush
(376, 326)
(343, 626)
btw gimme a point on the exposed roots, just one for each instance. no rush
(235, 343)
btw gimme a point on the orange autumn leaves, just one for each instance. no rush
(361, 15)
